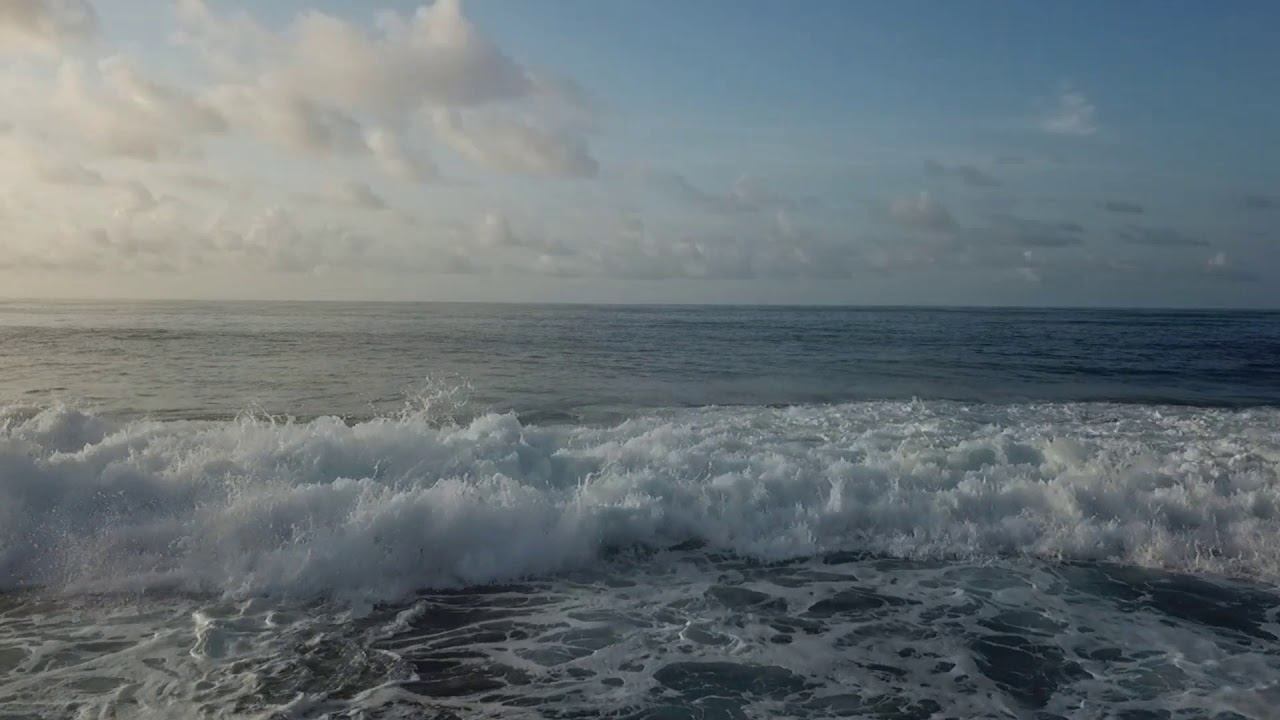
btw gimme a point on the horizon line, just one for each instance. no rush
(620, 304)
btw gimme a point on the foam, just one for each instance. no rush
(379, 509)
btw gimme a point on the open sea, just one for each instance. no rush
(329, 510)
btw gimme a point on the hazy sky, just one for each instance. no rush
(984, 152)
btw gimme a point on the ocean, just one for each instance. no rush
(330, 510)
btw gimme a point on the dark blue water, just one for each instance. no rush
(354, 360)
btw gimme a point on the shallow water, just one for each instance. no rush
(260, 512)
(679, 634)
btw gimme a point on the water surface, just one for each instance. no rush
(394, 511)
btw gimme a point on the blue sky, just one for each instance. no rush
(1084, 153)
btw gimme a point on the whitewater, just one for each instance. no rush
(376, 510)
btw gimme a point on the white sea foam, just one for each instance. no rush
(376, 510)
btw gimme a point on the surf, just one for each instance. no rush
(378, 509)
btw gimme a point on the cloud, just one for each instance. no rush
(1124, 208)
(360, 195)
(1037, 267)
(434, 57)
(1035, 233)
(649, 256)
(346, 194)
(200, 181)
(46, 164)
(968, 174)
(1220, 266)
(746, 195)
(510, 146)
(324, 85)
(148, 97)
(70, 173)
(277, 240)
(319, 85)
(307, 128)
(1261, 202)
(138, 199)
(1073, 114)
(622, 246)
(118, 111)
(1158, 237)
(398, 160)
(921, 212)
(290, 121)
(494, 232)
(45, 26)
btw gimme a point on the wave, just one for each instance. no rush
(379, 509)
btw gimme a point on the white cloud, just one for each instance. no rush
(289, 120)
(304, 126)
(45, 26)
(494, 232)
(346, 194)
(46, 164)
(326, 85)
(398, 160)
(1073, 114)
(69, 173)
(321, 86)
(512, 146)
(434, 57)
(118, 111)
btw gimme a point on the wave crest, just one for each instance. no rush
(378, 509)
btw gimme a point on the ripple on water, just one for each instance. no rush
(688, 637)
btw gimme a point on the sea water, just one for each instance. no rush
(434, 510)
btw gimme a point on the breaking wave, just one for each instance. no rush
(379, 509)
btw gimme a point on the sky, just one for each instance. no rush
(990, 152)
